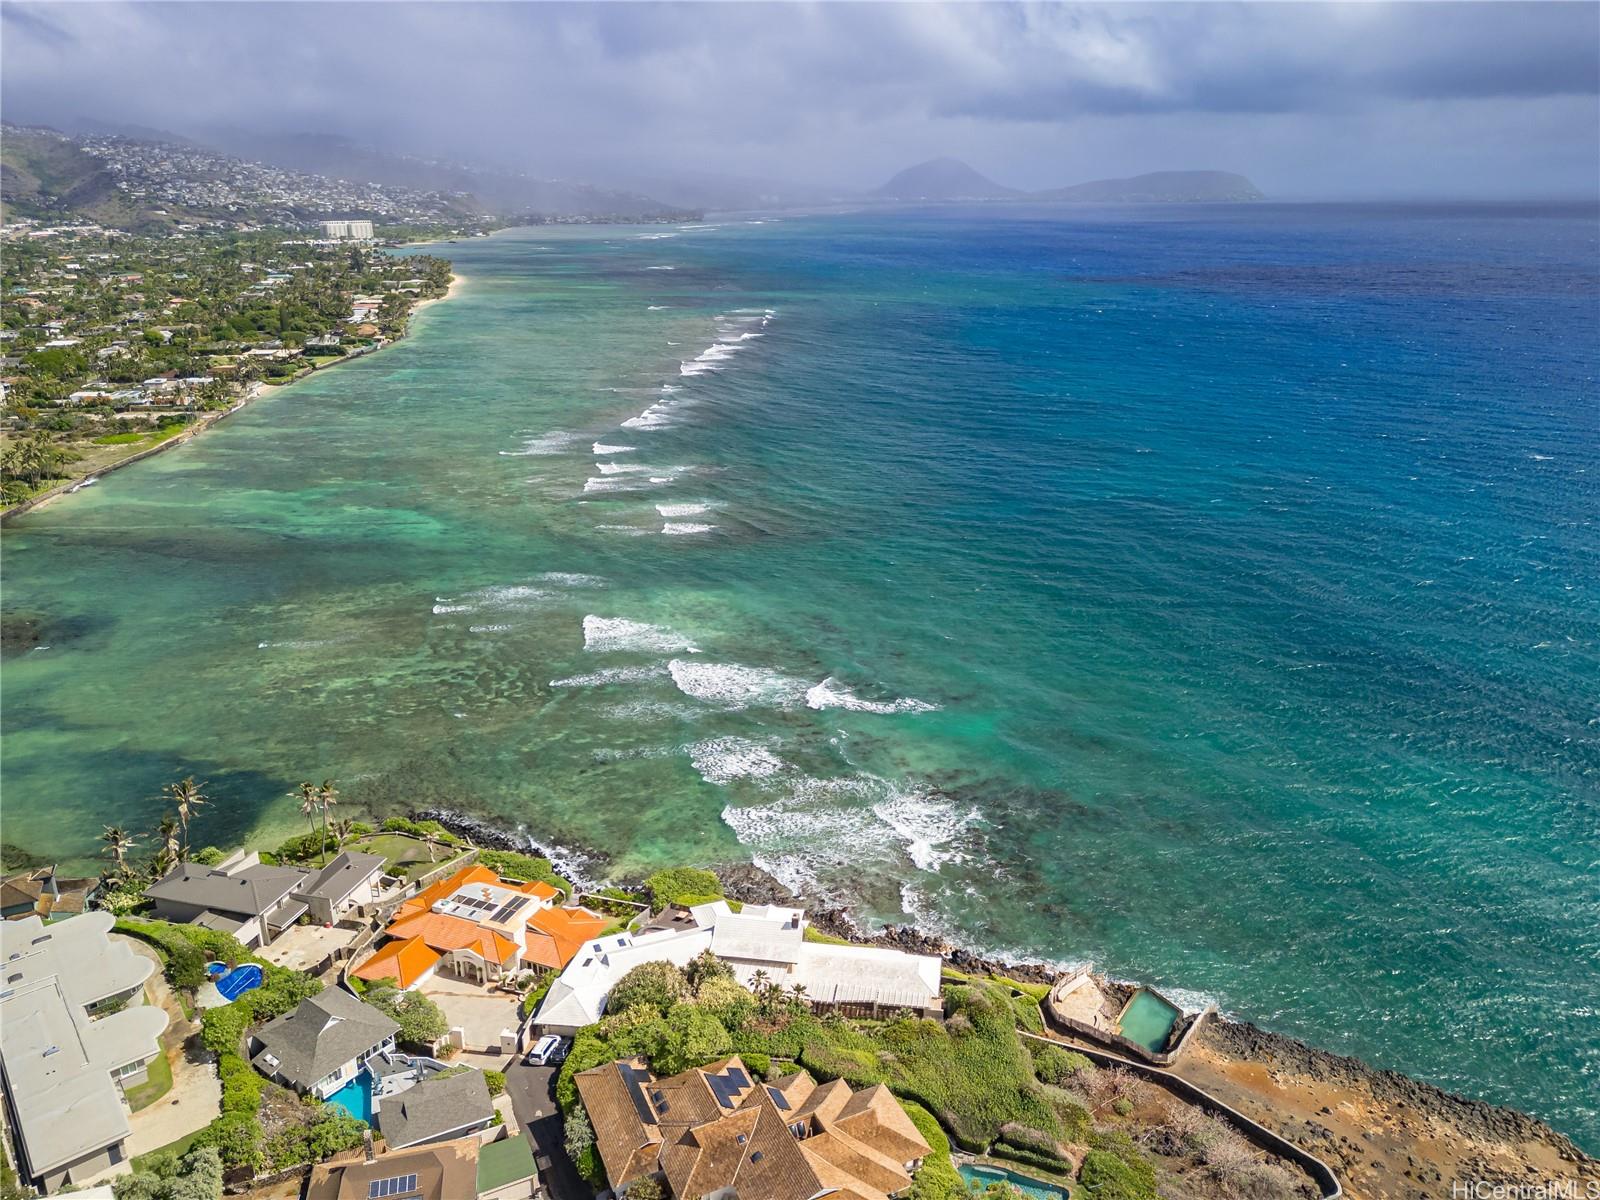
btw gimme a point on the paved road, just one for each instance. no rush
(533, 1099)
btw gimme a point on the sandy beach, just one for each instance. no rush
(252, 392)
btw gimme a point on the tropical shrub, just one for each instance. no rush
(1056, 1066)
(937, 1178)
(421, 1021)
(197, 1176)
(657, 984)
(526, 867)
(680, 884)
(691, 1037)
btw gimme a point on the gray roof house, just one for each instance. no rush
(322, 1043)
(240, 895)
(351, 879)
(255, 903)
(62, 1065)
(436, 1110)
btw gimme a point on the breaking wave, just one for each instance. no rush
(602, 634)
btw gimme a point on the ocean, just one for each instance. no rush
(1207, 592)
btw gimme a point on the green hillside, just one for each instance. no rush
(43, 175)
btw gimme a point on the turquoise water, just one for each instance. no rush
(1148, 1020)
(355, 1098)
(1025, 1184)
(1208, 593)
(240, 980)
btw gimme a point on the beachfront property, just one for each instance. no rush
(717, 1131)
(455, 1170)
(322, 1043)
(255, 902)
(764, 938)
(44, 893)
(437, 1109)
(479, 927)
(68, 1046)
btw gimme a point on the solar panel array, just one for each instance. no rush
(509, 908)
(779, 1100)
(398, 1185)
(727, 1085)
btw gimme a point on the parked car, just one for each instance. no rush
(547, 1050)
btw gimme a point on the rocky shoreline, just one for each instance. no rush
(1234, 1039)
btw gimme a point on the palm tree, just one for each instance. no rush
(308, 803)
(343, 828)
(171, 850)
(327, 796)
(118, 843)
(187, 797)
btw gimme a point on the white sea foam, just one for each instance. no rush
(653, 237)
(654, 307)
(611, 468)
(844, 823)
(500, 597)
(439, 609)
(722, 760)
(832, 694)
(709, 359)
(301, 644)
(607, 676)
(928, 825)
(682, 510)
(625, 530)
(573, 579)
(602, 448)
(555, 442)
(611, 483)
(685, 528)
(661, 268)
(618, 633)
(734, 685)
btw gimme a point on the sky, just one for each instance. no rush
(1309, 100)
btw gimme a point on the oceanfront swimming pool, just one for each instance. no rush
(1034, 1189)
(355, 1097)
(1148, 1020)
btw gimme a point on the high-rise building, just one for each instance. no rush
(347, 230)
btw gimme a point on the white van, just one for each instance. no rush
(547, 1050)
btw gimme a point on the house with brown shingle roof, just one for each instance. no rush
(717, 1129)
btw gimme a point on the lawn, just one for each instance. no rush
(145, 1094)
(178, 1148)
(402, 855)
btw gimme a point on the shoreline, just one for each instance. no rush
(203, 423)
(1385, 1133)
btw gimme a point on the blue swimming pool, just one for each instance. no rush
(355, 1097)
(239, 981)
(1033, 1189)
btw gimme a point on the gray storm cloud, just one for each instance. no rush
(1327, 99)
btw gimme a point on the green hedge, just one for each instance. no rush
(525, 867)
(937, 1178)
(1115, 1169)
(681, 885)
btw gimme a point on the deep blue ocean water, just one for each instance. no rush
(1207, 592)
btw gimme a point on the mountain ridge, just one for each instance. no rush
(950, 179)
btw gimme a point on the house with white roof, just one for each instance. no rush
(68, 1048)
(759, 938)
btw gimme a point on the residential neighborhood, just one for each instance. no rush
(393, 1010)
(113, 343)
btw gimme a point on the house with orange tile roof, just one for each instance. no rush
(477, 926)
(718, 1130)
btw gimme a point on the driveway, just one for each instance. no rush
(533, 1099)
(301, 947)
(196, 1094)
(481, 1013)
